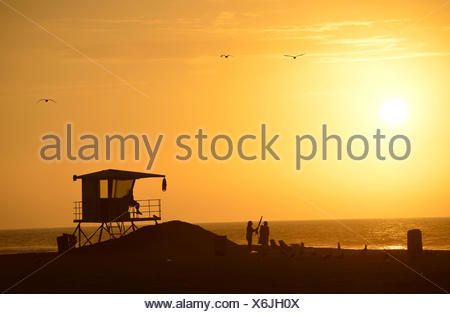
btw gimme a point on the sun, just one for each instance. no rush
(393, 111)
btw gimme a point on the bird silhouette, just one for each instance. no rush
(295, 56)
(46, 100)
(225, 56)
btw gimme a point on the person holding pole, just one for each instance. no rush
(249, 234)
(264, 235)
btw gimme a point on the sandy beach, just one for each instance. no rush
(177, 257)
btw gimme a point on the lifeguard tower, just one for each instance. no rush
(107, 199)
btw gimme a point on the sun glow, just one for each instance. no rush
(393, 111)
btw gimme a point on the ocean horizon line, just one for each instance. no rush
(245, 221)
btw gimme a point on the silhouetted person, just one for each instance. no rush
(134, 203)
(249, 234)
(264, 234)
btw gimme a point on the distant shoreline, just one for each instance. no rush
(245, 221)
(389, 234)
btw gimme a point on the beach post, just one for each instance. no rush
(414, 242)
(66, 242)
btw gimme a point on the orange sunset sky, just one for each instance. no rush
(154, 67)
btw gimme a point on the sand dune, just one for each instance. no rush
(175, 238)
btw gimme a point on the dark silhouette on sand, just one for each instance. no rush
(225, 56)
(249, 234)
(264, 232)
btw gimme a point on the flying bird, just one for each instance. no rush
(295, 57)
(46, 100)
(225, 56)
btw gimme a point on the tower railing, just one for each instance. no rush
(150, 209)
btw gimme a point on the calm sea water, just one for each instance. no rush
(377, 233)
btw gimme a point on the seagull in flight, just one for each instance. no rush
(225, 56)
(46, 100)
(295, 57)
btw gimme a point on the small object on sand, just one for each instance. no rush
(273, 244)
(414, 242)
(285, 249)
(339, 245)
(298, 249)
(302, 245)
(364, 250)
(66, 242)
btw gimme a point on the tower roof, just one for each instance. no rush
(117, 174)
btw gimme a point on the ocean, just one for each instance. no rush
(351, 233)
